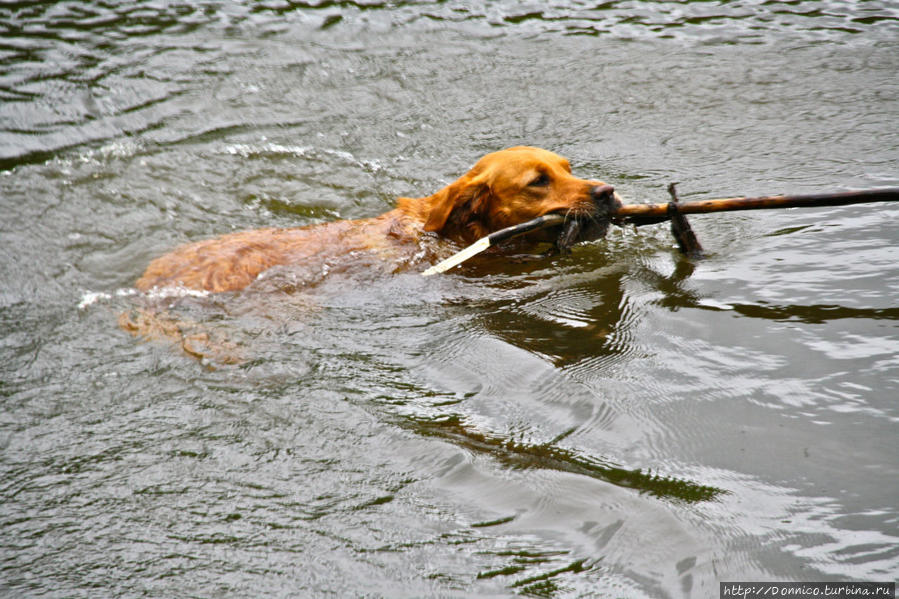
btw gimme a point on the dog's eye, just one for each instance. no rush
(540, 181)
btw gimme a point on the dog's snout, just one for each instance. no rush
(605, 199)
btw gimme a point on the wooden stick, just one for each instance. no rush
(646, 214)
(541, 222)
(680, 227)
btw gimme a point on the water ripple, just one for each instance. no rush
(69, 72)
(615, 419)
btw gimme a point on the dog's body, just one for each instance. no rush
(233, 262)
(504, 188)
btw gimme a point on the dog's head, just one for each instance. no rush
(510, 187)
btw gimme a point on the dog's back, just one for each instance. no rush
(236, 260)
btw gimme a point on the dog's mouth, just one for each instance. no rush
(580, 229)
(589, 225)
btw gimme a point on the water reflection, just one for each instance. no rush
(549, 455)
(587, 311)
(814, 314)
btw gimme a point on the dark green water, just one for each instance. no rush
(615, 423)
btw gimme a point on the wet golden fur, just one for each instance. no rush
(504, 188)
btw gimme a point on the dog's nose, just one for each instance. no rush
(601, 192)
(605, 199)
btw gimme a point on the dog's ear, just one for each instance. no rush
(458, 209)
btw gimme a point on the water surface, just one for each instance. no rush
(618, 422)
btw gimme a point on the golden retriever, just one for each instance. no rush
(504, 188)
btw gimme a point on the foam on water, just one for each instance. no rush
(89, 298)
